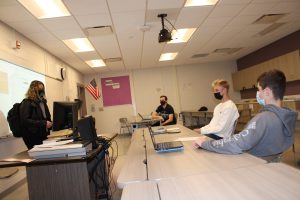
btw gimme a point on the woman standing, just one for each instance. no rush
(35, 115)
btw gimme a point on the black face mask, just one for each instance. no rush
(218, 95)
(41, 93)
(162, 103)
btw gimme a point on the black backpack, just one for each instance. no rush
(14, 120)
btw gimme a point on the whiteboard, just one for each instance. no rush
(14, 83)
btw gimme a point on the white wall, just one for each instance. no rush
(33, 57)
(194, 82)
(107, 118)
(188, 87)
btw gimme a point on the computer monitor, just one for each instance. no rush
(65, 115)
(86, 130)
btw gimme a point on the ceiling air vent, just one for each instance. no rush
(200, 55)
(227, 50)
(99, 30)
(117, 59)
(268, 19)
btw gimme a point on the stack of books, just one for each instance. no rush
(59, 149)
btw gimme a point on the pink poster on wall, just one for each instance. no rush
(116, 91)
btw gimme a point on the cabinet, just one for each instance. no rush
(288, 63)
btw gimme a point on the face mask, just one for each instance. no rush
(162, 103)
(41, 93)
(218, 95)
(260, 100)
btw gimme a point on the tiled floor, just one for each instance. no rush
(123, 142)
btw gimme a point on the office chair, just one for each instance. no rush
(124, 125)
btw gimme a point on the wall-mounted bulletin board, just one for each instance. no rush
(116, 91)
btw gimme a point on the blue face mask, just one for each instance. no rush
(260, 100)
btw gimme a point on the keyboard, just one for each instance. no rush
(169, 146)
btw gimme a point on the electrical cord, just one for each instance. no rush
(104, 173)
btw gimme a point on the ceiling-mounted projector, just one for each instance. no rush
(164, 35)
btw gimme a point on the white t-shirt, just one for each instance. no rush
(225, 114)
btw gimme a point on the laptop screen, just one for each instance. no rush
(141, 116)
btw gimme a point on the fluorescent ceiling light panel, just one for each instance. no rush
(190, 3)
(79, 44)
(182, 35)
(42, 9)
(167, 56)
(95, 63)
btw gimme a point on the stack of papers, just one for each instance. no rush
(58, 149)
(158, 129)
(173, 130)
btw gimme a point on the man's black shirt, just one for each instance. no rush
(165, 112)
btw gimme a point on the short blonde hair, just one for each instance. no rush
(220, 82)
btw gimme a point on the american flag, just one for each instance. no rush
(93, 89)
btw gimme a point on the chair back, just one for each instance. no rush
(123, 120)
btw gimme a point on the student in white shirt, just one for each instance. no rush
(225, 113)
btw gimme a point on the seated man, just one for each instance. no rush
(165, 112)
(270, 132)
(225, 113)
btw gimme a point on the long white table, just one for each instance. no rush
(135, 169)
(191, 160)
(147, 190)
(274, 181)
(176, 164)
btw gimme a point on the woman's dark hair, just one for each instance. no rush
(32, 90)
(275, 80)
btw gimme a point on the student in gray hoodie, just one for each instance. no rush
(270, 132)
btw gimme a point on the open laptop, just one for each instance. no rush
(145, 118)
(165, 146)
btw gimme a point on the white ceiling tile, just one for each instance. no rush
(141, 49)
(27, 27)
(290, 17)
(58, 49)
(224, 2)
(8, 3)
(266, 1)
(86, 21)
(86, 7)
(128, 22)
(158, 4)
(286, 7)
(258, 8)
(152, 15)
(215, 22)
(69, 34)
(173, 47)
(100, 70)
(116, 66)
(253, 28)
(226, 10)
(40, 37)
(14, 13)
(192, 17)
(152, 49)
(125, 6)
(107, 46)
(59, 23)
(91, 55)
(243, 20)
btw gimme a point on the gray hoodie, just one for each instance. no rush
(269, 133)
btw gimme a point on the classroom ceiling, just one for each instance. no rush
(225, 31)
